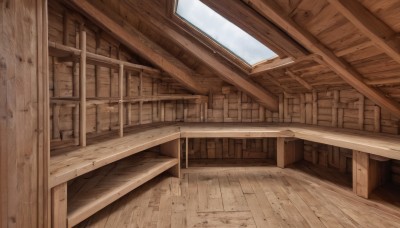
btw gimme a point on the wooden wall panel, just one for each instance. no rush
(23, 113)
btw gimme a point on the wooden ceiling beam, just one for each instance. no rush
(271, 10)
(299, 80)
(250, 21)
(280, 63)
(140, 44)
(376, 30)
(186, 40)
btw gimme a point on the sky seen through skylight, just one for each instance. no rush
(223, 31)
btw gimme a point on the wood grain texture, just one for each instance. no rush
(24, 120)
(136, 41)
(249, 196)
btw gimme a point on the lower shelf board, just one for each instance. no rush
(112, 182)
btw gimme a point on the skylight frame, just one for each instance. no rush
(226, 52)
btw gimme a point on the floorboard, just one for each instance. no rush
(302, 195)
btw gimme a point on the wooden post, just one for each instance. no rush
(162, 111)
(377, 119)
(315, 107)
(121, 100)
(140, 95)
(56, 107)
(261, 114)
(239, 106)
(309, 107)
(289, 151)
(205, 112)
(97, 69)
(367, 173)
(59, 206)
(335, 108)
(361, 102)
(226, 110)
(173, 149)
(82, 88)
(187, 152)
(302, 108)
(76, 90)
(280, 112)
(128, 94)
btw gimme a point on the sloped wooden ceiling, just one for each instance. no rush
(357, 56)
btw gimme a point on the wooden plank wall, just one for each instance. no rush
(23, 113)
(102, 82)
(342, 108)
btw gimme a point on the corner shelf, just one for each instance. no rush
(114, 181)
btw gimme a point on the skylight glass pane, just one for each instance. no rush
(223, 31)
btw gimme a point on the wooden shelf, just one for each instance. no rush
(112, 182)
(106, 100)
(73, 54)
(164, 98)
(65, 166)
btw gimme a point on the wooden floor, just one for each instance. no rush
(300, 196)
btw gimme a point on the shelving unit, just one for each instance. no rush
(80, 102)
(112, 182)
(114, 168)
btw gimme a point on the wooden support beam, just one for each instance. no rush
(377, 119)
(271, 10)
(128, 94)
(299, 80)
(272, 65)
(59, 206)
(315, 108)
(97, 69)
(121, 100)
(276, 64)
(368, 173)
(137, 42)
(289, 151)
(361, 104)
(375, 29)
(140, 95)
(82, 89)
(352, 49)
(173, 149)
(187, 152)
(335, 102)
(204, 54)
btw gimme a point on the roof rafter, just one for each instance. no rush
(136, 41)
(380, 33)
(272, 11)
(225, 71)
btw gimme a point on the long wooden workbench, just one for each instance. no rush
(369, 149)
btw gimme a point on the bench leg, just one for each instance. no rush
(367, 173)
(289, 151)
(59, 206)
(173, 149)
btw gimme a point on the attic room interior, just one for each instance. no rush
(199, 113)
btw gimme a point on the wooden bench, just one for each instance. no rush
(373, 149)
(120, 174)
(127, 173)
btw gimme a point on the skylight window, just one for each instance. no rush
(224, 32)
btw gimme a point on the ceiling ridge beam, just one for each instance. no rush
(371, 26)
(272, 11)
(140, 44)
(224, 71)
